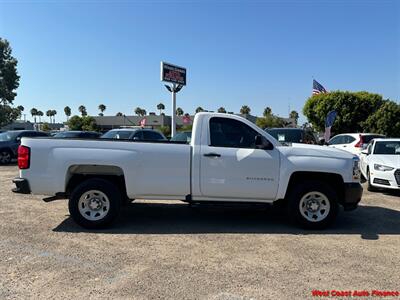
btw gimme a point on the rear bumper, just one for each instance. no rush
(352, 195)
(21, 186)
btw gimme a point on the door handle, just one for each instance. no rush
(212, 155)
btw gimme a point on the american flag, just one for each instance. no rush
(317, 88)
(142, 123)
(186, 119)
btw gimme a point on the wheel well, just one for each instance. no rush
(332, 179)
(78, 174)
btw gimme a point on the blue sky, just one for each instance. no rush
(258, 53)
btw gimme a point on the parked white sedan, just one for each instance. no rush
(352, 142)
(380, 164)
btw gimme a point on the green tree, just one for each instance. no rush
(166, 130)
(294, 115)
(222, 110)
(82, 110)
(67, 112)
(40, 114)
(160, 107)
(86, 123)
(20, 109)
(352, 108)
(53, 114)
(9, 82)
(140, 111)
(75, 123)
(179, 111)
(267, 111)
(199, 109)
(270, 121)
(245, 110)
(48, 113)
(34, 112)
(119, 114)
(386, 120)
(46, 127)
(102, 108)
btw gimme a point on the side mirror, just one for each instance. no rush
(135, 138)
(364, 152)
(262, 143)
(18, 139)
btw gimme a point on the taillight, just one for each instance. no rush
(24, 157)
(360, 142)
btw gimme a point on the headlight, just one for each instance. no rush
(356, 168)
(382, 168)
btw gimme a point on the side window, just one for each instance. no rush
(369, 148)
(138, 136)
(348, 139)
(336, 140)
(151, 135)
(123, 135)
(231, 133)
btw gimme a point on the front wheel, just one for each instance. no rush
(313, 204)
(370, 187)
(95, 203)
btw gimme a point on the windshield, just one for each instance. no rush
(387, 148)
(8, 136)
(286, 135)
(116, 134)
(182, 137)
(66, 135)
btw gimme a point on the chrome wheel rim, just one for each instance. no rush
(314, 206)
(5, 157)
(94, 205)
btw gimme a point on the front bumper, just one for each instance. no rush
(352, 195)
(21, 186)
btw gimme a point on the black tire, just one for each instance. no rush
(114, 198)
(5, 156)
(370, 187)
(299, 191)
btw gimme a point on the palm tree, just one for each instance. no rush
(294, 115)
(67, 112)
(267, 111)
(34, 112)
(179, 111)
(222, 110)
(119, 114)
(245, 110)
(102, 108)
(160, 107)
(82, 110)
(20, 109)
(53, 113)
(199, 109)
(139, 111)
(48, 113)
(40, 114)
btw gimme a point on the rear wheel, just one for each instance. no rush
(95, 203)
(313, 204)
(5, 157)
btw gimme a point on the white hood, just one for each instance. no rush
(387, 160)
(315, 150)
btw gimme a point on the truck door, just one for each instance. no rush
(232, 167)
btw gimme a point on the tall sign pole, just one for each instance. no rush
(173, 112)
(177, 77)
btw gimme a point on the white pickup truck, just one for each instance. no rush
(229, 159)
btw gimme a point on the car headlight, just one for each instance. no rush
(356, 168)
(382, 168)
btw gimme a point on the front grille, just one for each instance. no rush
(397, 176)
(381, 181)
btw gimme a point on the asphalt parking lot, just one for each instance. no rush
(167, 250)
